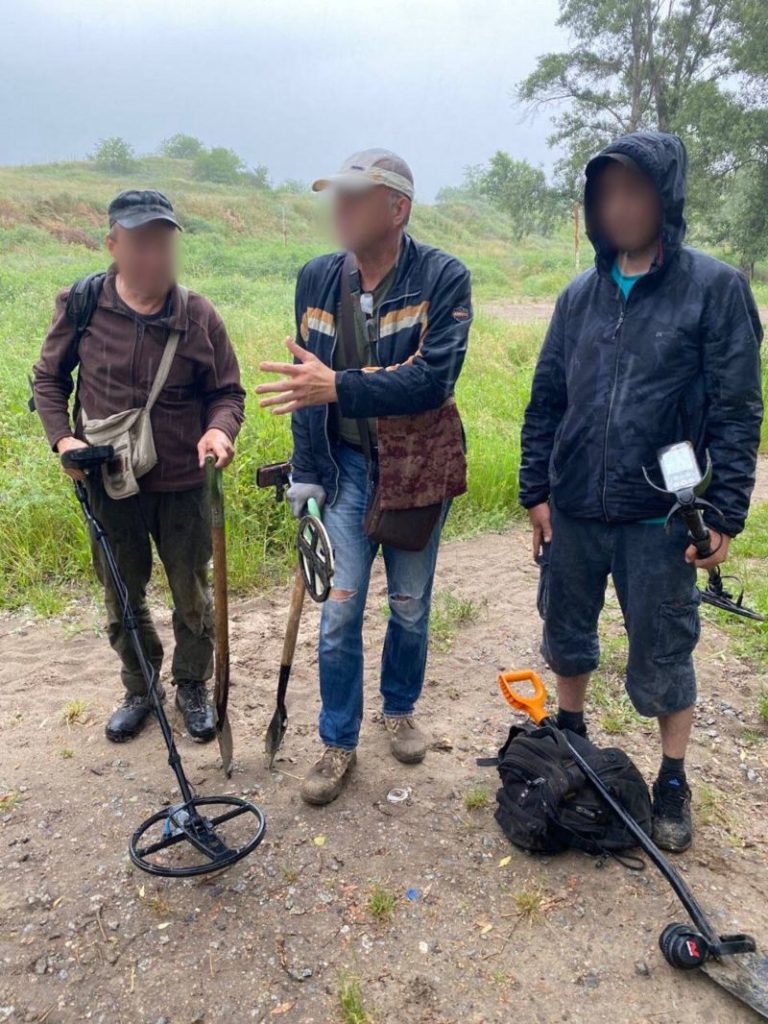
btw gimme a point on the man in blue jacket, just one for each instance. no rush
(656, 344)
(411, 309)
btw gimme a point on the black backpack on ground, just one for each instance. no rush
(546, 804)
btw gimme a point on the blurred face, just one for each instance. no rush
(145, 256)
(628, 208)
(363, 219)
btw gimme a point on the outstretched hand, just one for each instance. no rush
(308, 382)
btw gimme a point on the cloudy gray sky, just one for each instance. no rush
(293, 84)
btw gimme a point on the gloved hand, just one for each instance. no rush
(299, 494)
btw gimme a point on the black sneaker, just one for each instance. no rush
(672, 826)
(127, 721)
(192, 702)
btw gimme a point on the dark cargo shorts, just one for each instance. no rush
(658, 597)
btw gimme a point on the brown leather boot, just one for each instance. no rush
(407, 742)
(325, 779)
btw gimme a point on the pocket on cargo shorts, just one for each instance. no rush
(677, 631)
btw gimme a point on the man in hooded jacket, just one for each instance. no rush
(656, 344)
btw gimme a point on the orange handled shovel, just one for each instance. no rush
(532, 704)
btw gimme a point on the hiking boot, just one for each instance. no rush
(192, 702)
(127, 720)
(406, 740)
(325, 779)
(672, 826)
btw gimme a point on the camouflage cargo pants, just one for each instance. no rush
(178, 523)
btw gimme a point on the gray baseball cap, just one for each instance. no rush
(368, 168)
(137, 206)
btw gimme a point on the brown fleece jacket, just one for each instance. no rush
(118, 358)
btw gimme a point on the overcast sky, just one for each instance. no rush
(293, 84)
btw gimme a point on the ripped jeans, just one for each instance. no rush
(410, 575)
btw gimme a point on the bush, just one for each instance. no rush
(181, 147)
(219, 165)
(114, 156)
(258, 177)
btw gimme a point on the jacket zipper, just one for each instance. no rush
(616, 341)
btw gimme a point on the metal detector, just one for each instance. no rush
(684, 481)
(730, 960)
(162, 844)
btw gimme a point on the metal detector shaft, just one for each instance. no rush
(644, 841)
(132, 628)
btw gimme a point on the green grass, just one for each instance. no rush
(450, 613)
(530, 904)
(351, 1004)
(476, 799)
(746, 560)
(381, 902)
(8, 801)
(74, 712)
(51, 232)
(607, 697)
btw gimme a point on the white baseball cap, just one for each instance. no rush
(368, 168)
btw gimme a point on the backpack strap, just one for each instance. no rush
(349, 345)
(81, 304)
(169, 352)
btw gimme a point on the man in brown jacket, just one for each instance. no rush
(198, 412)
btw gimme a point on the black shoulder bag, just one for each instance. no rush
(408, 529)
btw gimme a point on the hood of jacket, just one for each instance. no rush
(662, 157)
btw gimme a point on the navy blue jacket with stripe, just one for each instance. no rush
(422, 330)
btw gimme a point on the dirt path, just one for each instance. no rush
(86, 937)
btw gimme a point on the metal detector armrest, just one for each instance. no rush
(277, 475)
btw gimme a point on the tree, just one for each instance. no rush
(641, 64)
(181, 147)
(521, 190)
(113, 156)
(258, 176)
(219, 165)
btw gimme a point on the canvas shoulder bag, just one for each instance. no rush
(130, 432)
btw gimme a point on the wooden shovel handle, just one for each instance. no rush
(294, 618)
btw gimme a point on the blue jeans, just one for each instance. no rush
(410, 575)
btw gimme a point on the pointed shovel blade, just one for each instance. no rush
(226, 746)
(744, 976)
(273, 737)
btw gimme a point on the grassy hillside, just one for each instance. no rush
(242, 248)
